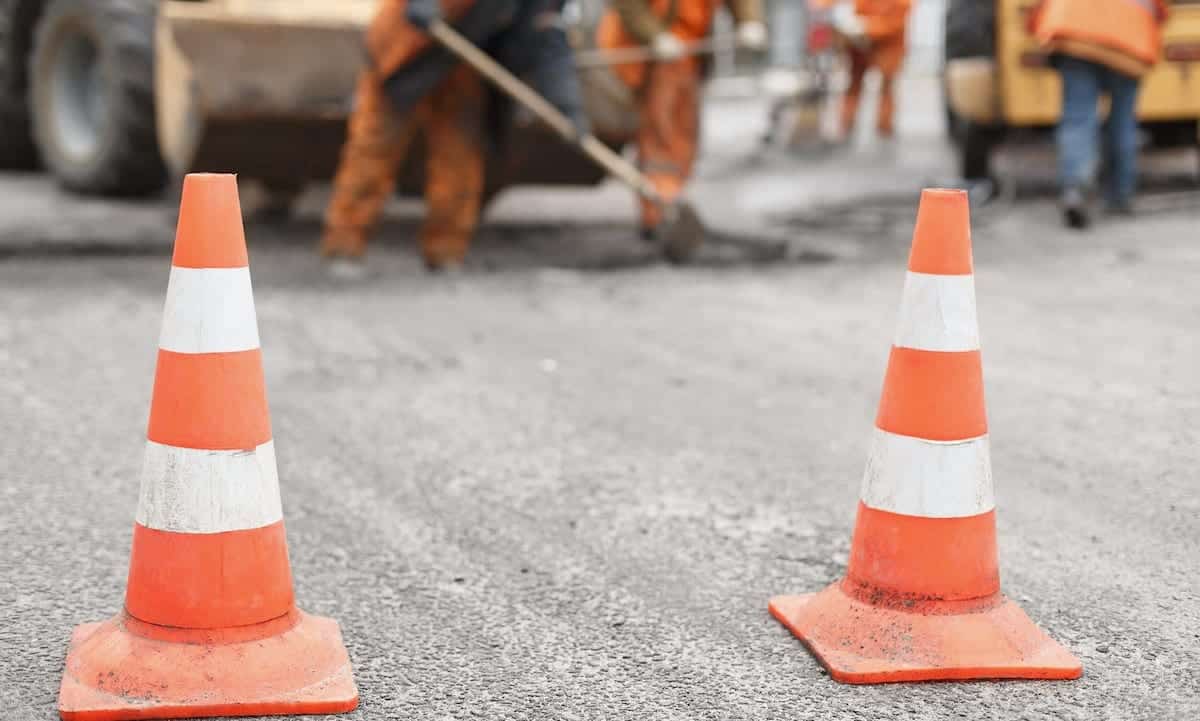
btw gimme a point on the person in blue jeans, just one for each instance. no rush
(1100, 48)
(1083, 83)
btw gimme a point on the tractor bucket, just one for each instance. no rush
(263, 88)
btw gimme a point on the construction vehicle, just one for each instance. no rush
(1000, 86)
(119, 97)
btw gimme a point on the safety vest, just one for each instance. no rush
(883, 19)
(693, 18)
(392, 42)
(690, 20)
(1125, 35)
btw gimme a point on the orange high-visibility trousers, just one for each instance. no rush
(886, 55)
(668, 130)
(450, 119)
(667, 94)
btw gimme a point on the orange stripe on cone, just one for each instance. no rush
(210, 626)
(214, 401)
(935, 395)
(900, 559)
(921, 598)
(209, 580)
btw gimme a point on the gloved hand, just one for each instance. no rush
(668, 47)
(849, 25)
(422, 13)
(752, 35)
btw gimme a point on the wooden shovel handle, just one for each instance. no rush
(497, 74)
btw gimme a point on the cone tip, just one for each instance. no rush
(944, 193)
(942, 236)
(208, 177)
(210, 232)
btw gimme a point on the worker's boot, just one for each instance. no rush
(1075, 210)
(452, 214)
(442, 260)
(443, 247)
(651, 216)
(343, 250)
(666, 180)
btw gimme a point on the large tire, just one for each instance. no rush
(92, 83)
(17, 151)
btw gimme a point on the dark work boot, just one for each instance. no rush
(1074, 204)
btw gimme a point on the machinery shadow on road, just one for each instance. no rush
(600, 247)
(497, 247)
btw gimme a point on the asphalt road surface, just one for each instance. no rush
(564, 484)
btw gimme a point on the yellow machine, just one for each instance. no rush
(998, 82)
(121, 96)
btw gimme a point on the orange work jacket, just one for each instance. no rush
(392, 41)
(884, 19)
(689, 20)
(1125, 35)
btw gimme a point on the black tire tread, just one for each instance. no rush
(132, 163)
(17, 150)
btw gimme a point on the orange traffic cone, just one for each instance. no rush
(210, 626)
(921, 598)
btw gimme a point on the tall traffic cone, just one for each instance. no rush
(921, 598)
(210, 626)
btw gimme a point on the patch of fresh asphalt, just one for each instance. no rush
(542, 491)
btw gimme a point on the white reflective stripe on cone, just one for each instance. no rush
(937, 312)
(936, 479)
(209, 310)
(189, 490)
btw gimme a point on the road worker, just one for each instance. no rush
(875, 31)
(1099, 47)
(414, 87)
(667, 88)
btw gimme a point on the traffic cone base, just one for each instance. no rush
(921, 598)
(126, 669)
(863, 643)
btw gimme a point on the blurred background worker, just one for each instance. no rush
(875, 32)
(412, 87)
(667, 89)
(1099, 46)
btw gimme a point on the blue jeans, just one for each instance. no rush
(1083, 81)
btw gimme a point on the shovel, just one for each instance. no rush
(641, 54)
(680, 232)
